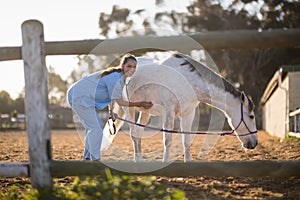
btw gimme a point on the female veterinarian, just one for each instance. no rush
(95, 92)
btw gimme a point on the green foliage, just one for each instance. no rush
(10, 194)
(57, 88)
(104, 187)
(292, 138)
(6, 102)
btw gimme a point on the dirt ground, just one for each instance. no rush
(67, 145)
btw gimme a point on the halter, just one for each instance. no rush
(231, 133)
(243, 121)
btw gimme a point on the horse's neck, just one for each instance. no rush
(221, 100)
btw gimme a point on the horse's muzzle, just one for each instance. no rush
(250, 145)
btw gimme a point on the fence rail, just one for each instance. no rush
(234, 39)
(295, 125)
(260, 168)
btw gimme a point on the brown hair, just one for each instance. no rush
(119, 68)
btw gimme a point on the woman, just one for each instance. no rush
(95, 92)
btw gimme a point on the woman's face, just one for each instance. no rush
(129, 68)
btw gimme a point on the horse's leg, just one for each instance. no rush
(134, 137)
(143, 119)
(168, 124)
(186, 125)
(135, 133)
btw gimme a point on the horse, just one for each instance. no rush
(176, 86)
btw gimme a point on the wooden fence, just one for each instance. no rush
(33, 52)
(259, 168)
(238, 39)
(295, 117)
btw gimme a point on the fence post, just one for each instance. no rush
(36, 103)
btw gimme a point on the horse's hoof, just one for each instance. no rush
(138, 160)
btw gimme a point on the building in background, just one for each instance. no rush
(281, 103)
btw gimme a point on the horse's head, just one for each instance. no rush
(243, 122)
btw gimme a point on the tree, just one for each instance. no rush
(209, 16)
(19, 105)
(6, 103)
(57, 88)
(252, 69)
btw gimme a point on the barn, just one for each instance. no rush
(281, 102)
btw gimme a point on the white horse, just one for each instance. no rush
(176, 86)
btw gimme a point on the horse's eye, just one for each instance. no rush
(251, 116)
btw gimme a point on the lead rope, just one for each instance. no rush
(173, 131)
(231, 133)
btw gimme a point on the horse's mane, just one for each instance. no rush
(212, 77)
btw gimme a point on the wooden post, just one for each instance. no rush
(36, 103)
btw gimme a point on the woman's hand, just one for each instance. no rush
(146, 105)
(112, 115)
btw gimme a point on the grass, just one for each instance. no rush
(106, 186)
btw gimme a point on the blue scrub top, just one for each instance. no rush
(93, 91)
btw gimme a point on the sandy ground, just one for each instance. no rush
(67, 145)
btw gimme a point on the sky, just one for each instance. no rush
(63, 20)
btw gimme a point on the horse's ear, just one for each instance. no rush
(243, 96)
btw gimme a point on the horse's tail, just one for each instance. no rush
(107, 136)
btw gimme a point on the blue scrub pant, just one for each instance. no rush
(93, 129)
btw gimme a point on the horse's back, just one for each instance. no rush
(165, 86)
